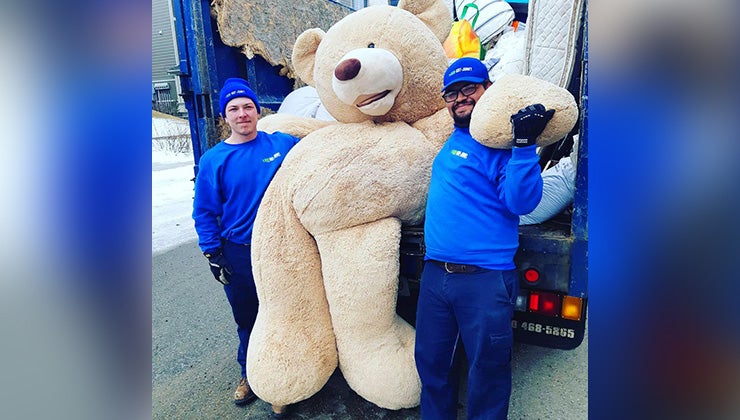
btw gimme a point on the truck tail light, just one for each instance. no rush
(534, 301)
(531, 275)
(544, 303)
(572, 307)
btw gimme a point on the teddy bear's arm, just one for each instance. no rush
(490, 122)
(291, 124)
(436, 127)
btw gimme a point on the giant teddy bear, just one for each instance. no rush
(326, 239)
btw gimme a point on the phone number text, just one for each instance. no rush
(543, 329)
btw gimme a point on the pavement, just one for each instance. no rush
(194, 371)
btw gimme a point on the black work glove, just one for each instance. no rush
(529, 123)
(220, 266)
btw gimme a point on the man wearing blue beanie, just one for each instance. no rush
(232, 179)
(236, 87)
(469, 283)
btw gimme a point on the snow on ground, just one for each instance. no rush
(168, 127)
(172, 195)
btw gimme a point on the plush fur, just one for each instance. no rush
(326, 240)
(490, 123)
(325, 247)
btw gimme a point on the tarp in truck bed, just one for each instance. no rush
(269, 28)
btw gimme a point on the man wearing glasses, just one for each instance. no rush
(469, 283)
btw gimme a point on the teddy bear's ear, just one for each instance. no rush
(304, 53)
(434, 13)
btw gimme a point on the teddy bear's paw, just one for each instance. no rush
(291, 364)
(381, 368)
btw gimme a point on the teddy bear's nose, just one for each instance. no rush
(347, 69)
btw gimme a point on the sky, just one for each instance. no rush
(172, 191)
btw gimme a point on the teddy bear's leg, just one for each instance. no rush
(292, 351)
(376, 346)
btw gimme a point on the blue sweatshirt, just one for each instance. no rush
(230, 184)
(475, 198)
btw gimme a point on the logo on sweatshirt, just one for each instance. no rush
(271, 158)
(459, 153)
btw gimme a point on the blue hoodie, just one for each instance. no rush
(475, 198)
(231, 181)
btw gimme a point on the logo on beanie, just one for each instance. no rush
(235, 92)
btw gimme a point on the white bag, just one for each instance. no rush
(305, 102)
(558, 190)
(507, 55)
(302, 102)
(493, 17)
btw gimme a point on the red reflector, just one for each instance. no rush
(534, 302)
(531, 275)
(546, 303)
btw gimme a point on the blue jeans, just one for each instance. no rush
(478, 307)
(242, 296)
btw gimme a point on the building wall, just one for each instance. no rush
(163, 41)
(164, 57)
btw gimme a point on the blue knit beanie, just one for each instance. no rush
(236, 87)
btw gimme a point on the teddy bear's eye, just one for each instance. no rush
(371, 45)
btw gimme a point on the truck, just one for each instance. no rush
(552, 259)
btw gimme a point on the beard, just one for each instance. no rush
(462, 120)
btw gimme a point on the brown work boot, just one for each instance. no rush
(243, 393)
(279, 411)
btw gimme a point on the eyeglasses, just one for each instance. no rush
(467, 90)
